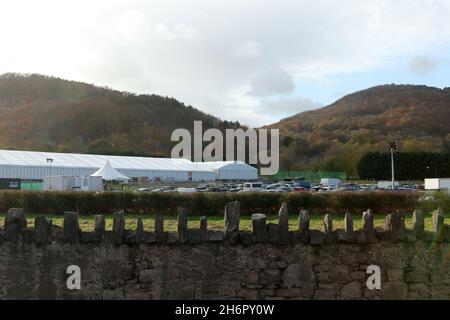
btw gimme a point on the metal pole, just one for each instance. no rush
(392, 167)
(50, 161)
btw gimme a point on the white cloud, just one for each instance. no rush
(248, 49)
(164, 31)
(176, 32)
(422, 65)
(234, 53)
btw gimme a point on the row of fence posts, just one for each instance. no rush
(394, 229)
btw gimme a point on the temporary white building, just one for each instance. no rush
(231, 170)
(108, 173)
(61, 183)
(29, 165)
(437, 184)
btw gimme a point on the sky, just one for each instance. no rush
(252, 61)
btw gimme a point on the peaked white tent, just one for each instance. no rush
(108, 173)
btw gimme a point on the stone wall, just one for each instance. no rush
(270, 262)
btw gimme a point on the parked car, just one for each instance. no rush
(316, 187)
(368, 187)
(233, 188)
(299, 189)
(252, 187)
(276, 190)
(349, 187)
(283, 187)
(203, 188)
(186, 190)
(328, 189)
(165, 189)
(302, 184)
(218, 189)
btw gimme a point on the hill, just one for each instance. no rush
(335, 137)
(51, 114)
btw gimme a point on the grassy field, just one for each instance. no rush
(214, 222)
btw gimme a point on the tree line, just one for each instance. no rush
(407, 165)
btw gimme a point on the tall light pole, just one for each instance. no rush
(392, 146)
(50, 161)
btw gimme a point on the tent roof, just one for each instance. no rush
(108, 173)
(93, 162)
(229, 165)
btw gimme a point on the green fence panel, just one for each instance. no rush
(31, 185)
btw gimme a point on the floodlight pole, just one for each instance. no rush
(392, 146)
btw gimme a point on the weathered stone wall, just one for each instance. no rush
(267, 263)
(218, 271)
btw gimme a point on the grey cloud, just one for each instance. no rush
(287, 106)
(272, 82)
(421, 65)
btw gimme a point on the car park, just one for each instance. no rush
(284, 186)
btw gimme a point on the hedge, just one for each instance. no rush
(55, 202)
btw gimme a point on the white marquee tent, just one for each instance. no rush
(30, 165)
(108, 173)
(231, 170)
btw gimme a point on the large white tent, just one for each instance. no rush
(30, 165)
(231, 170)
(108, 173)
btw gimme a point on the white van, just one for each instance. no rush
(387, 185)
(331, 183)
(252, 187)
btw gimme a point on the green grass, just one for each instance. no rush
(214, 222)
